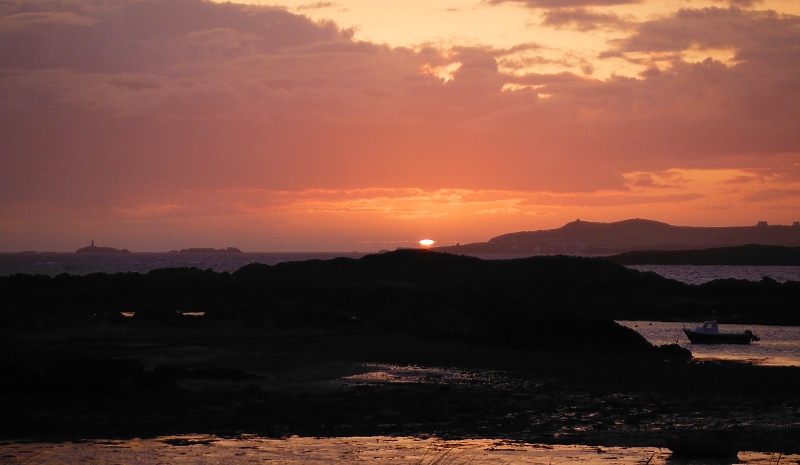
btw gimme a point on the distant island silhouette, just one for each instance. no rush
(592, 238)
(95, 249)
(207, 250)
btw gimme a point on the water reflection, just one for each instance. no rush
(379, 373)
(779, 345)
(375, 450)
(699, 274)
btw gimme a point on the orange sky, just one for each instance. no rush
(369, 124)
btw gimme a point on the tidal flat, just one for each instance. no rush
(314, 383)
(200, 449)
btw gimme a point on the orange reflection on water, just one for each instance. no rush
(375, 450)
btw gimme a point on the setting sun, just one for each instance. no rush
(427, 242)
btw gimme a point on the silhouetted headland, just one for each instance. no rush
(590, 238)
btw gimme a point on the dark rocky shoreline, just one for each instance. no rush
(543, 361)
(745, 255)
(418, 291)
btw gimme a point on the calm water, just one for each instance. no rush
(374, 450)
(779, 345)
(695, 274)
(53, 264)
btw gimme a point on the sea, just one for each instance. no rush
(55, 263)
(697, 274)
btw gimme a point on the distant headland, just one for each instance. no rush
(591, 238)
(95, 249)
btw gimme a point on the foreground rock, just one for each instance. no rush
(330, 384)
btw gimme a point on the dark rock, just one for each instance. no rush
(125, 388)
(674, 352)
(17, 379)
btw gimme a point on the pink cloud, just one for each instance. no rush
(109, 100)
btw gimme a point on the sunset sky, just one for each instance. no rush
(359, 125)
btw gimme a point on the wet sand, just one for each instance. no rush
(198, 449)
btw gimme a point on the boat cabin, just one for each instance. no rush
(708, 327)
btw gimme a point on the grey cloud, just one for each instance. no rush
(757, 96)
(583, 19)
(746, 3)
(317, 6)
(517, 48)
(646, 180)
(133, 36)
(771, 195)
(554, 4)
(763, 37)
(610, 200)
(741, 180)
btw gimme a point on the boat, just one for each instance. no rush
(709, 333)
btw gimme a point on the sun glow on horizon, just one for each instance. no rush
(427, 242)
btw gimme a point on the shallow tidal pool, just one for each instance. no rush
(176, 450)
